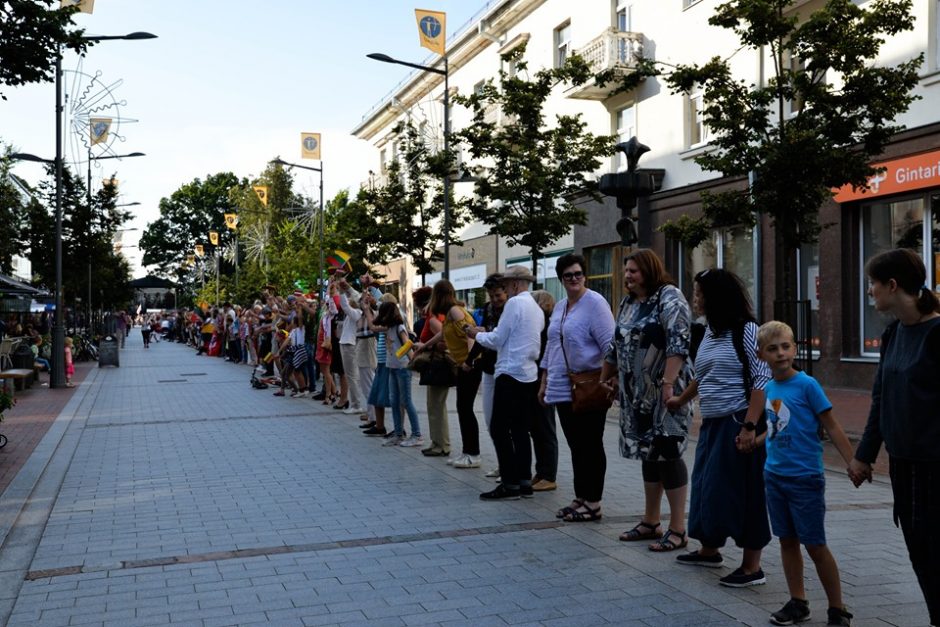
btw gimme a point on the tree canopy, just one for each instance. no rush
(30, 36)
(528, 169)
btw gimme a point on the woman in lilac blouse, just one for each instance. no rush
(579, 332)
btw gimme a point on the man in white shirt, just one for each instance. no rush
(516, 340)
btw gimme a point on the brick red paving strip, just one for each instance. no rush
(26, 424)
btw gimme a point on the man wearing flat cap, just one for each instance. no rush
(516, 340)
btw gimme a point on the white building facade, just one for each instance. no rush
(902, 210)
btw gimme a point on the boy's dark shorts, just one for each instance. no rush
(797, 507)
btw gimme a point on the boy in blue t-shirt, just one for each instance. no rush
(793, 474)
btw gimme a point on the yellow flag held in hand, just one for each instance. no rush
(231, 221)
(214, 237)
(310, 146)
(262, 191)
(431, 27)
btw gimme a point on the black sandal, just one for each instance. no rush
(667, 543)
(584, 516)
(636, 534)
(565, 511)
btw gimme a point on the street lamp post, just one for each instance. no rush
(90, 159)
(282, 163)
(57, 375)
(384, 58)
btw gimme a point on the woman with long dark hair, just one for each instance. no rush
(727, 499)
(647, 360)
(454, 333)
(903, 416)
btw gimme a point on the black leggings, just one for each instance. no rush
(916, 487)
(672, 473)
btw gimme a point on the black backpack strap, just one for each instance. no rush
(737, 339)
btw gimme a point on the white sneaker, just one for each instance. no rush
(303, 394)
(453, 460)
(353, 410)
(468, 461)
(412, 441)
(492, 473)
(395, 440)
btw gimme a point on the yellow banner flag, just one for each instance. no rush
(111, 182)
(231, 221)
(84, 6)
(99, 128)
(190, 260)
(431, 27)
(200, 251)
(262, 191)
(214, 238)
(310, 146)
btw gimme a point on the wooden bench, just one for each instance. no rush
(22, 377)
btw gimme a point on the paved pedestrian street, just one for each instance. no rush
(168, 491)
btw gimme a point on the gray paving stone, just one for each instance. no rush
(154, 471)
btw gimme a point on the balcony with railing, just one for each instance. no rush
(611, 50)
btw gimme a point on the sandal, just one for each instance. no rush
(586, 515)
(564, 511)
(668, 543)
(636, 534)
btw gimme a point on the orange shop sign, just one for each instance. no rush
(900, 175)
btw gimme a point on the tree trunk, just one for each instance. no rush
(535, 268)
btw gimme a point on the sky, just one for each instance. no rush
(227, 86)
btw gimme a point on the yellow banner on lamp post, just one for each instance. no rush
(262, 192)
(84, 6)
(231, 221)
(310, 146)
(214, 238)
(431, 29)
(199, 250)
(98, 129)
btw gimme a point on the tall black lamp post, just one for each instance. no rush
(384, 58)
(57, 376)
(282, 163)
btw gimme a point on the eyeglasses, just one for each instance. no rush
(572, 276)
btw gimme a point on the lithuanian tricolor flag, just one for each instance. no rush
(338, 259)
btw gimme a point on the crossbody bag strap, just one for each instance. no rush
(561, 335)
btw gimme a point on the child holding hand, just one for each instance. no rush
(793, 474)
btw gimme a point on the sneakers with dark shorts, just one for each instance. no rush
(795, 611)
(740, 579)
(697, 559)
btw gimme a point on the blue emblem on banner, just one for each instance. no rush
(431, 26)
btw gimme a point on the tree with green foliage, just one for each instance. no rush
(12, 216)
(843, 107)
(30, 37)
(528, 168)
(186, 217)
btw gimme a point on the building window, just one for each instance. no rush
(623, 16)
(383, 165)
(562, 44)
(600, 271)
(795, 65)
(695, 120)
(733, 249)
(626, 128)
(885, 226)
(809, 288)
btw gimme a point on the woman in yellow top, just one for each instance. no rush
(454, 333)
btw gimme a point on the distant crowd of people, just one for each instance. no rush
(758, 463)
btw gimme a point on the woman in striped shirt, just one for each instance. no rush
(727, 499)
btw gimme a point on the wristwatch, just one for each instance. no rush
(749, 426)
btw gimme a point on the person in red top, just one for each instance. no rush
(438, 427)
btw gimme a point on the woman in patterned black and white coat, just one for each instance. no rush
(647, 360)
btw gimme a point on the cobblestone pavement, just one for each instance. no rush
(169, 491)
